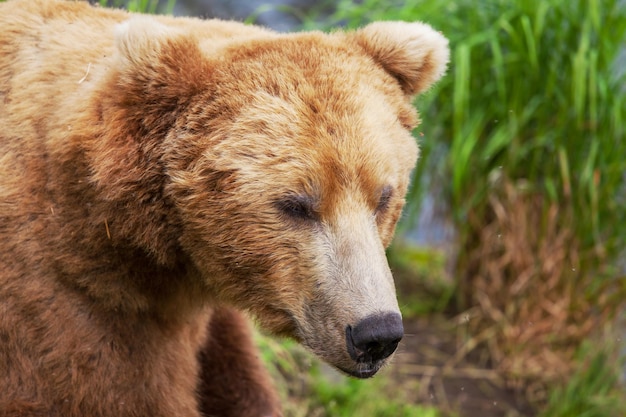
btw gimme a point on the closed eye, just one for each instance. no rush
(299, 207)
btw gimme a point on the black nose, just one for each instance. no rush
(375, 337)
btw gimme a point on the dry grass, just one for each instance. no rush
(533, 305)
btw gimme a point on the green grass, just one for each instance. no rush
(591, 391)
(423, 282)
(352, 397)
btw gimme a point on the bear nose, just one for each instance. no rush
(374, 338)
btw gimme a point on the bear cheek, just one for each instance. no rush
(285, 271)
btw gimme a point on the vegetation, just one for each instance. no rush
(591, 391)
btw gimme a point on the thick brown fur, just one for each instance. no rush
(160, 175)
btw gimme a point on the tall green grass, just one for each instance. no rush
(591, 391)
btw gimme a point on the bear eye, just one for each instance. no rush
(385, 198)
(299, 207)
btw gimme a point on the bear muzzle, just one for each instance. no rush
(371, 341)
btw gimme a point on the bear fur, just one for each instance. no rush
(160, 178)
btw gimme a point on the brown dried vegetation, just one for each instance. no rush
(532, 302)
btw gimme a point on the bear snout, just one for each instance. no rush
(372, 340)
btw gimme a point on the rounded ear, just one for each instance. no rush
(414, 53)
(157, 60)
(158, 70)
(138, 40)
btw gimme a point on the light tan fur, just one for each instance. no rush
(158, 175)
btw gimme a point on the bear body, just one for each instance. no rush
(159, 176)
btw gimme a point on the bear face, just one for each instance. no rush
(286, 158)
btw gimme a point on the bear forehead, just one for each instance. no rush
(325, 72)
(313, 92)
(351, 134)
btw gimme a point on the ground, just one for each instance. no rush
(468, 387)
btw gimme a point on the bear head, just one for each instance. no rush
(283, 161)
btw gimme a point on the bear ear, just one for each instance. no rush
(414, 53)
(138, 39)
(157, 58)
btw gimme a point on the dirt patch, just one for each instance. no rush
(431, 365)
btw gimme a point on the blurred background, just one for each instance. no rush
(510, 259)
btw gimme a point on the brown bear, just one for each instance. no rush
(160, 177)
